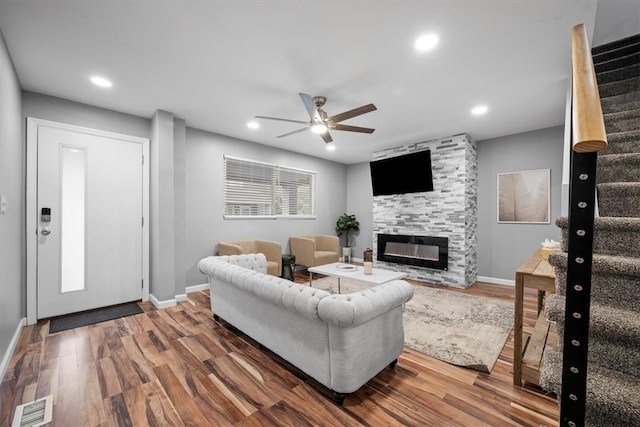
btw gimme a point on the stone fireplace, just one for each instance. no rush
(447, 214)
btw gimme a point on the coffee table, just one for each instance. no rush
(354, 272)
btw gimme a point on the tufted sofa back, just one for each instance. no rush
(252, 278)
(255, 262)
(346, 310)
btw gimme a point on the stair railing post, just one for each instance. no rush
(578, 299)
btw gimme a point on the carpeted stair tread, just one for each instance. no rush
(623, 224)
(619, 199)
(612, 284)
(619, 74)
(616, 355)
(622, 142)
(618, 62)
(611, 396)
(607, 264)
(622, 102)
(619, 52)
(631, 84)
(613, 334)
(616, 45)
(622, 121)
(607, 322)
(611, 235)
(619, 167)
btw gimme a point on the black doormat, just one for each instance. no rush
(90, 317)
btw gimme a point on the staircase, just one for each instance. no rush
(613, 377)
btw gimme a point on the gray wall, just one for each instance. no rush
(360, 203)
(615, 20)
(162, 266)
(205, 225)
(73, 113)
(12, 183)
(203, 182)
(503, 247)
(340, 188)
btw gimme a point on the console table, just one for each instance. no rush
(535, 273)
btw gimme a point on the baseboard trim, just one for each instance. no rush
(496, 281)
(196, 288)
(181, 297)
(12, 347)
(162, 304)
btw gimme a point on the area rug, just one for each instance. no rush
(462, 330)
(85, 318)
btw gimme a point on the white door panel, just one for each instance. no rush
(93, 254)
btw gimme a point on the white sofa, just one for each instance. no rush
(342, 341)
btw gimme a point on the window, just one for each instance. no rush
(263, 190)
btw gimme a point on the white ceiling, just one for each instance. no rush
(216, 64)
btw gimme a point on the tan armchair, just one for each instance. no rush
(271, 250)
(315, 249)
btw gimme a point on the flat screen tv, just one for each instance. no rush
(409, 173)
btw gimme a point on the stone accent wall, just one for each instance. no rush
(451, 210)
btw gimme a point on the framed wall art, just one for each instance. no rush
(524, 197)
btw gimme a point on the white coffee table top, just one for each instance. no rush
(377, 277)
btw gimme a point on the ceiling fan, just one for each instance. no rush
(320, 123)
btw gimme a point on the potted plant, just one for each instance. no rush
(345, 224)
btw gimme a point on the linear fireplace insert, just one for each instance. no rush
(421, 251)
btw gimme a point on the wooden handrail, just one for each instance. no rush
(589, 134)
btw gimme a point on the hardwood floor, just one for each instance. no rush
(179, 367)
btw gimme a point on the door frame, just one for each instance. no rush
(33, 124)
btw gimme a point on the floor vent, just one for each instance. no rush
(33, 414)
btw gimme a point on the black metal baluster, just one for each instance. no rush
(582, 198)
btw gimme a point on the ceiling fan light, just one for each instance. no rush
(100, 81)
(426, 42)
(479, 110)
(318, 128)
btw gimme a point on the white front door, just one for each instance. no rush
(89, 221)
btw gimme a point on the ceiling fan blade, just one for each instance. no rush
(292, 132)
(307, 100)
(282, 120)
(352, 113)
(352, 128)
(327, 137)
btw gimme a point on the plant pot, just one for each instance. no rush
(346, 253)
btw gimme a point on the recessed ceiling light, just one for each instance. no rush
(253, 125)
(479, 110)
(100, 81)
(331, 147)
(426, 42)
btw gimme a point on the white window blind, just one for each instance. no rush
(256, 189)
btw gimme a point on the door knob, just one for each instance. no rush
(46, 231)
